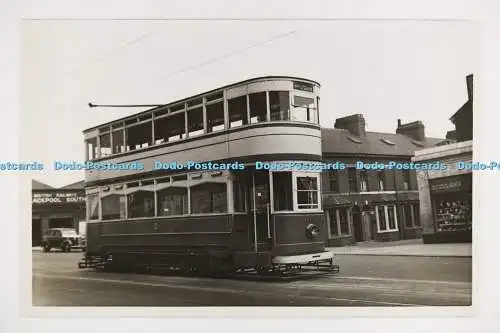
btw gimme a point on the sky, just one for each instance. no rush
(383, 69)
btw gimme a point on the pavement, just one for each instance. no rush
(414, 247)
(362, 281)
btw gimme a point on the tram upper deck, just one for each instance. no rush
(267, 118)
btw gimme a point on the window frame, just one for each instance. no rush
(338, 228)
(386, 216)
(296, 175)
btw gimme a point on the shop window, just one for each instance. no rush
(344, 220)
(279, 105)
(303, 109)
(172, 201)
(381, 180)
(113, 207)
(238, 115)
(351, 175)
(118, 142)
(140, 204)
(93, 207)
(282, 188)
(454, 212)
(209, 198)
(333, 180)
(195, 122)
(363, 181)
(215, 117)
(240, 196)
(139, 136)
(105, 145)
(92, 149)
(307, 192)
(258, 107)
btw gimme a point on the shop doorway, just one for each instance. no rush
(357, 223)
(36, 232)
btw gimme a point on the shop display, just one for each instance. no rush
(454, 214)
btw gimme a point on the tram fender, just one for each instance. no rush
(252, 259)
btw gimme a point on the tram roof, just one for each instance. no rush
(200, 95)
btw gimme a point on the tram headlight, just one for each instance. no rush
(312, 230)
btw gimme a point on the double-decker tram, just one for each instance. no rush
(221, 182)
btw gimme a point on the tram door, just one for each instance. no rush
(261, 210)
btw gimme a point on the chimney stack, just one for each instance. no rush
(470, 81)
(414, 130)
(355, 124)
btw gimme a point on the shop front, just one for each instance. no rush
(451, 199)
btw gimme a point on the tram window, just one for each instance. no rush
(140, 204)
(279, 103)
(172, 201)
(113, 207)
(240, 197)
(105, 145)
(195, 122)
(282, 188)
(172, 128)
(118, 142)
(258, 107)
(161, 130)
(238, 115)
(215, 117)
(208, 198)
(303, 109)
(139, 136)
(93, 207)
(179, 178)
(307, 193)
(92, 149)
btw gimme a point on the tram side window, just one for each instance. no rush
(303, 109)
(173, 127)
(105, 144)
(282, 188)
(237, 111)
(215, 117)
(118, 142)
(141, 204)
(172, 201)
(93, 207)
(139, 136)
(279, 104)
(258, 107)
(113, 207)
(195, 122)
(307, 193)
(209, 198)
(92, 149)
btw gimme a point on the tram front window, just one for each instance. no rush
(304, 109)
(279, 103)
(258, 107)
(307, 193)
(113, 207)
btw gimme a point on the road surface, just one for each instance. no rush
(363, 281)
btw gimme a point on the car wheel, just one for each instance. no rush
(46, 247)
(66, 247)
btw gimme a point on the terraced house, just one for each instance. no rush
(363, 205)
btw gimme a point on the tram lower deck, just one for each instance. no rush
(274, 224)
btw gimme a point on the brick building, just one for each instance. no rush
(446, 196)
(55, 208)
(363, 205)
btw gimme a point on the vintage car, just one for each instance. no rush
(65, 239)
